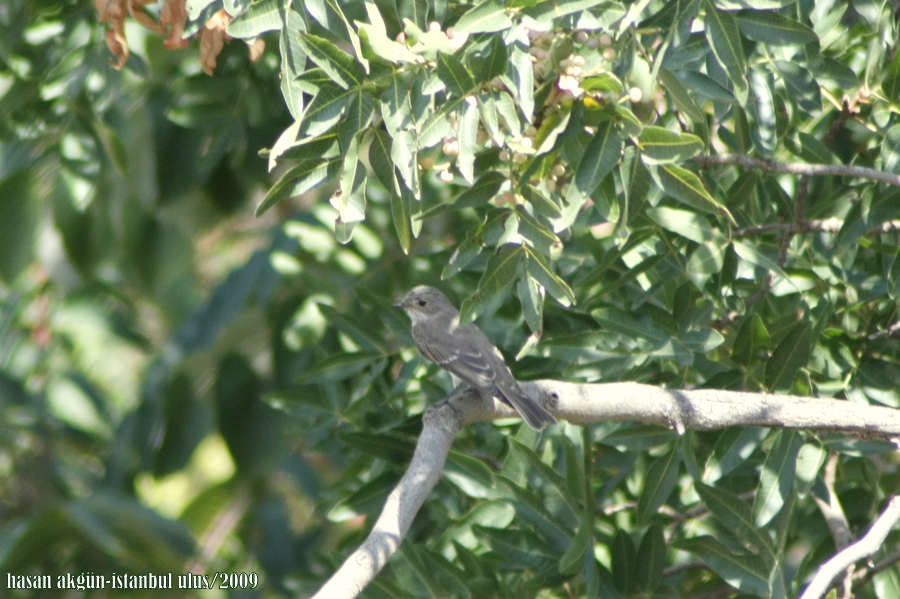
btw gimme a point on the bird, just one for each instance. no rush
(466, 352)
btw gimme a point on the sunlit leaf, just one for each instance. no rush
(343, 69)
(777, 478)
(485, 17)
(725, 40)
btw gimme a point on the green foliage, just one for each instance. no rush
(182, 380)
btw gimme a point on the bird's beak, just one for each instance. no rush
(397, 305)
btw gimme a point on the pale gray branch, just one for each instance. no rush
(863, 548)
(681, 410)
(440, 425)
(798, 168)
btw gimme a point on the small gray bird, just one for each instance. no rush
(466, 352)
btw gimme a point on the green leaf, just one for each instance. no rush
(548, 10)
(532, 299)
(661, 146)
(572, 559)
(376, 45)
(893, 278)
(890, 84)
(800, 85)
(486, 17)
(732, 449)
(624, 559)
(600, 156)
(737, 517)
(293, 62)
(342, 68)
(811, 149)
(404, 156)
(454, 75)
(689, 225)
(324, 111)
(541, 203)
(491, 61)
(789, 357)
(380, 158)
(396, 108)
(538, 235)
(680, 95)
(487, 112)
(359, 331)
(525, 549)
(400, 212)
(330, 15)
(356, 118)
(701, 340)
(260, 17)
(725, 40)
(762, 108)
(705, 85)
(350, 202)
(774, 29)
(777, 478)
(743, 571)
(520, 79)
(506, 110)
(19, 216)
(629, 324)
(751, 254)
(298, 179)
(390, 447)
(662, 475)
(537, 267)
(751, 342)
(482, 191)
(890, 150)
(462, 256)
(414, 10)
(651, 558)
(339, 366)
(437, 126)
(468, 138)
(502, 269)
(810, 459)
(685, 186)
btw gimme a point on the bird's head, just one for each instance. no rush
(424, 302)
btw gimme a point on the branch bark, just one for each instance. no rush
(798, 168)
(863, 548)
(701, 409)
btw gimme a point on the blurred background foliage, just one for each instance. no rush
(199, 368)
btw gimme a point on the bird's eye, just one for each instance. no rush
(422, 302)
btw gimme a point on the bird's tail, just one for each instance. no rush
(530, 410)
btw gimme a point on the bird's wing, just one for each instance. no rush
(469, 365)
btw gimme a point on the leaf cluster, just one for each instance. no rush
(549, 151)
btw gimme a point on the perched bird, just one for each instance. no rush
(466, 352)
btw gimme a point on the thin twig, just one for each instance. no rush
(798, 168)
(863, 548)
(863, 576)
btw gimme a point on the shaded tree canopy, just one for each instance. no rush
(207, 209)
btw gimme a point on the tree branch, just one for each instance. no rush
(440, 425)
(700, 409)
(863, 548)
(798, 168)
